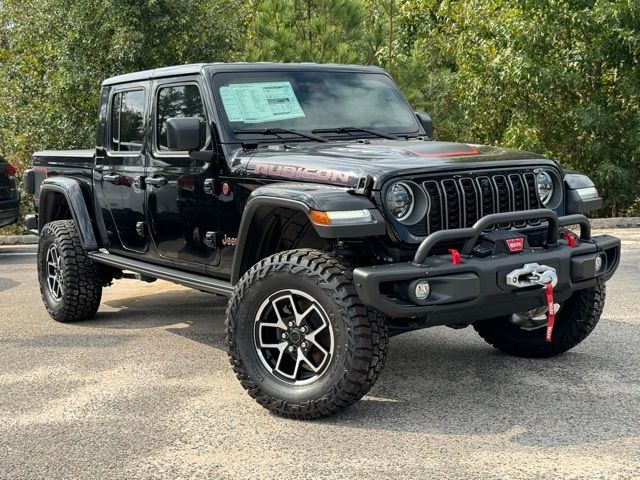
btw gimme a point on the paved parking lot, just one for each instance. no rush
(145, 391)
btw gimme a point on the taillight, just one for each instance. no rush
(11, 170)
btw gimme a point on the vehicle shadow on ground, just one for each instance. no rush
(441, 381)
(194, 315)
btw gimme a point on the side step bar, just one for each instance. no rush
(188, 279)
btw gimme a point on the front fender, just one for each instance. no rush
(580, 193)
(304, 198)
(71, 190)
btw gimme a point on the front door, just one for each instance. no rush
(182, 209)
(122, 167)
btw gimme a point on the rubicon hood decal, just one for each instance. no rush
(294, 172)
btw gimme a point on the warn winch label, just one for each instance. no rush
(290, 171)
(515, 244)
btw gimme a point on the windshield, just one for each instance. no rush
(309, 101)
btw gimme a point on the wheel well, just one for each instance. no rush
(54, 207)
(275, 230)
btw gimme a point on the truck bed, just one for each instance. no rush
(51, 163)
(74, 158)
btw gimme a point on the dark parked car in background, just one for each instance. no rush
(9, 196)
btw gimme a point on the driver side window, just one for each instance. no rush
(178, 101)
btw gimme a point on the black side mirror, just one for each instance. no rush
(426, 122)
(183, 134)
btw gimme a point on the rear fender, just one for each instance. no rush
(71, 190)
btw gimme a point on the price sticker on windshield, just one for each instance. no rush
(260, 102)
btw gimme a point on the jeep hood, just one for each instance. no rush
(344, 163)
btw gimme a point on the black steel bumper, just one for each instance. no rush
(476, 288)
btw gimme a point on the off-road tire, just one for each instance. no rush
(361, 338)
(576, 319)
(82, 279)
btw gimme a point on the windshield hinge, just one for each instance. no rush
(364, 186)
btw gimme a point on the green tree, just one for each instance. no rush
(552, 76)
(55, 53)
(306, 31)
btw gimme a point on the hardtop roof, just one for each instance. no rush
(195, 68)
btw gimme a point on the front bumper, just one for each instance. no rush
(476, 288)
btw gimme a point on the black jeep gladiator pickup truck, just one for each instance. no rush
(314, 197)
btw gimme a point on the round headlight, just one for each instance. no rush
(400, 201)
(545, 187)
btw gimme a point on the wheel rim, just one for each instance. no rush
(293, 337)
(54, 272)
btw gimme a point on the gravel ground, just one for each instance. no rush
(145, 391)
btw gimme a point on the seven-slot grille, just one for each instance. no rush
(461, 200)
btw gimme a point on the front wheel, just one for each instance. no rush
(576, 319)
(300, 341)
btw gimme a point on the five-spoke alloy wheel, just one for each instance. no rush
(300, 341)
(293, 336)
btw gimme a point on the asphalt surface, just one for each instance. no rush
(145, 391)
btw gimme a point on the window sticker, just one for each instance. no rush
(260, 102)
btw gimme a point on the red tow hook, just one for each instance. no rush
(455, 256)
(571, 239)
(551, 314)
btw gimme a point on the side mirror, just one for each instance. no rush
(183, 134)
(426, 122)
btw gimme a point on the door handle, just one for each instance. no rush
(156, 181)
(114, 178)
(209, 186)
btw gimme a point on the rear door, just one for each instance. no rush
(122, 163)
(182, 208)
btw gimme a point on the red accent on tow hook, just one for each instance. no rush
(551, 314)
(455, 256)
(571, 240)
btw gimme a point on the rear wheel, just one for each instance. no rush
(300, 341)
(70, 282)
(575, 320)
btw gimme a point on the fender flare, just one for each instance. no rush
(575, 185)
(71, 189)
(304, 198)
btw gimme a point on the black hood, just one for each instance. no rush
(344, 163)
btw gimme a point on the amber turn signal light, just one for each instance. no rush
(319, 218)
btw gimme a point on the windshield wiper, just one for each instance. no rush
(277, 131)
(355, 129)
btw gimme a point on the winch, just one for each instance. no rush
(532, 274)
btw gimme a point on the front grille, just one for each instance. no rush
(461, 200)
